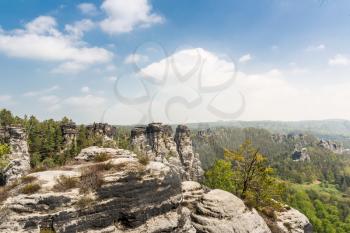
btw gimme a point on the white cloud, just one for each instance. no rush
(135, 58)
(112, 78)
(49, 99)
(41, 92)
(313, 48)
(339, 60)
(180, 96)
(85, 89)
(86, 101)
(41, 40)
(245, 58)
(78, 29)
(124, 16)
(88, 9)
(4, 98)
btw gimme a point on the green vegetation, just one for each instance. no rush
(245, 173)
(4, 151)
(102, 157)
(327, 208)
(30, 188)
(46, 143)
(319, 188)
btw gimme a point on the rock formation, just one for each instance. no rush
(301, 155)
(102, 129)
(189, 159)
(19, 159)
(69, 133)
(132, 197)
(157, 142)
(332, 146)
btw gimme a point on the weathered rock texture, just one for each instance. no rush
(133, 198)
(333, 146)
(220, 211)
(19, 159)
(301, 155)
(102, 129)
(292, 221)
(158, 143)
(69, 133)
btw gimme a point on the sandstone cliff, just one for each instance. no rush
(19, 159)
(158, 143)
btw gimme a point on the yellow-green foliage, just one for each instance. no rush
(4, 151)
(246, 173)
(30, 188)
(102, 157)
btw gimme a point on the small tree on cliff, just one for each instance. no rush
(252, 178)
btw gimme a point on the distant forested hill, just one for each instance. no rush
(337, 130)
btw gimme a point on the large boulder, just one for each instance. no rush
(292, 221)
(222, 212)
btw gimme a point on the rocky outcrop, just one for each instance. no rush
(292, 221)
(220, 211)
(69, 133)
(332, 146)
(132, 197)
(19, 159)
(102, 129)
(90, 153)
(189, 159)
(301, 155)
(158, 143)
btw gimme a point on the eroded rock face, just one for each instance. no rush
(332, 146)
(102, 129)
(133, 198)
(19, 159)
(69, 133)
(222, 212)
(301, 155)
(125, 202)
(157, 142)
(189, 159)
(292, 221)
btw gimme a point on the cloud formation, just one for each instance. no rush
(124, 16)
(192, 82)
(339, 60)
(245, 58)
(41, 40)
(88, 9)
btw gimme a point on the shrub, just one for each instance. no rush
(104, 166)
(28, 179)
(64, 183)
(30, 188)
(90, 179)
(143, 159)
(102, 157)
(84, 202)
(46, 230)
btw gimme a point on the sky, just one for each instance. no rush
(175, 61)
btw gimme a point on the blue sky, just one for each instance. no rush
(288, 59)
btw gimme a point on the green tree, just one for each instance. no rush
(4, 151)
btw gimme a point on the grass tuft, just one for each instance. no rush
(30, 188)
